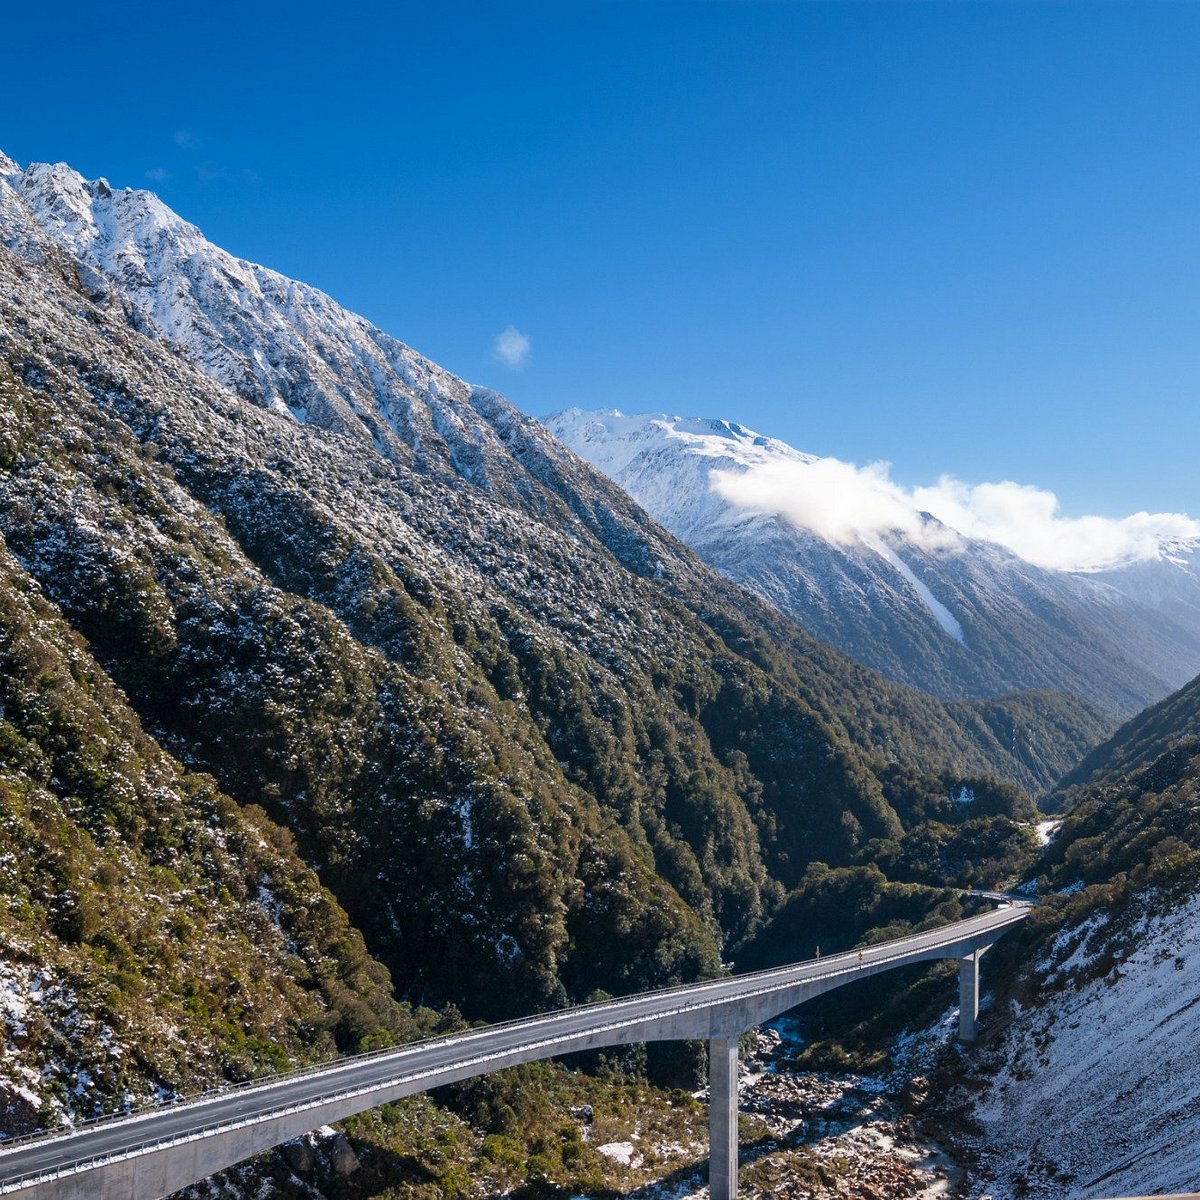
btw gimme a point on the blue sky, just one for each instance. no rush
(961, 237)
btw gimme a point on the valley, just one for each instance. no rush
(343, 704)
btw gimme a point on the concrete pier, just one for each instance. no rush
(147, 1155)
(968, 996)
(723, 1118)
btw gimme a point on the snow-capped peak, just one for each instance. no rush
(613, 439)
(274, 341)
(886, 574)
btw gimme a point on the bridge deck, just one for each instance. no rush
(305, 1099)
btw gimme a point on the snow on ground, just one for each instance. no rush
(1045, 830)
(622, 1152)
(944, 617)
(1098, 1093)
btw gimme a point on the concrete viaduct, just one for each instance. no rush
(148, 1155)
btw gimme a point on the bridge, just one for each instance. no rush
(144, 1156)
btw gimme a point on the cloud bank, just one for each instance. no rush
(511, 347)
(845, 503)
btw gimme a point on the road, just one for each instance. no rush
(688, 1011)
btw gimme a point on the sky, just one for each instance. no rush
(961, 238)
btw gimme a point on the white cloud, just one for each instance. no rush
(1027, 520)
(511, 347)
(846, 503)
(158, 174)
(185, 139)
(839, 501)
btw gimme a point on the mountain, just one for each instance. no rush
(954, 616)
(530, 743)
(1097, 995)
(1145, 738)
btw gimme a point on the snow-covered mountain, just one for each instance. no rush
(277, 342)
(958, 625)
(924, 604)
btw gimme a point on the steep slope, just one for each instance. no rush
(154, 938)
(1169, 585)
(1091, 1051)
(530, 742)
(1085, 1086)
(1140, 740)
(1095, 1095)
(954, 616)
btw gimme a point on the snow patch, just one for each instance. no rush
(1103, 1075)
(622, 1152)
(944, 617)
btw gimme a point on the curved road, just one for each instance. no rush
(720, 1008)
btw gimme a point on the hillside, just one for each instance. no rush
(1139, 741)
(925, 605)
(531, 744)
(155, 938)
(1098, 1000)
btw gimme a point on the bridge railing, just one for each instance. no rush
(849, 962)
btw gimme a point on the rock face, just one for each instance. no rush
(929, 607)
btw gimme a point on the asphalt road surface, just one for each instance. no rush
(546, 1032)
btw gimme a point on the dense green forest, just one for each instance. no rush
(1136, 743)
(311, 741)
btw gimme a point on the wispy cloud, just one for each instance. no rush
(511, 347)
(158, 174)
(1028, 521)
(845, 503)
(185, 139)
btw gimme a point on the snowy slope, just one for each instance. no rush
(275, 341)
(924, 604)
(1098, 1093)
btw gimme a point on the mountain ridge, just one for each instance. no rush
(606, 760)
(929, 607)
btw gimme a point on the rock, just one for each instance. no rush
(341, 1155)
(19, 1110)
(299, 1156)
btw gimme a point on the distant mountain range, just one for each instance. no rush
(953, 615)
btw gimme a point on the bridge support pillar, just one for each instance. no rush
(968, 996)
(723, 1118)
